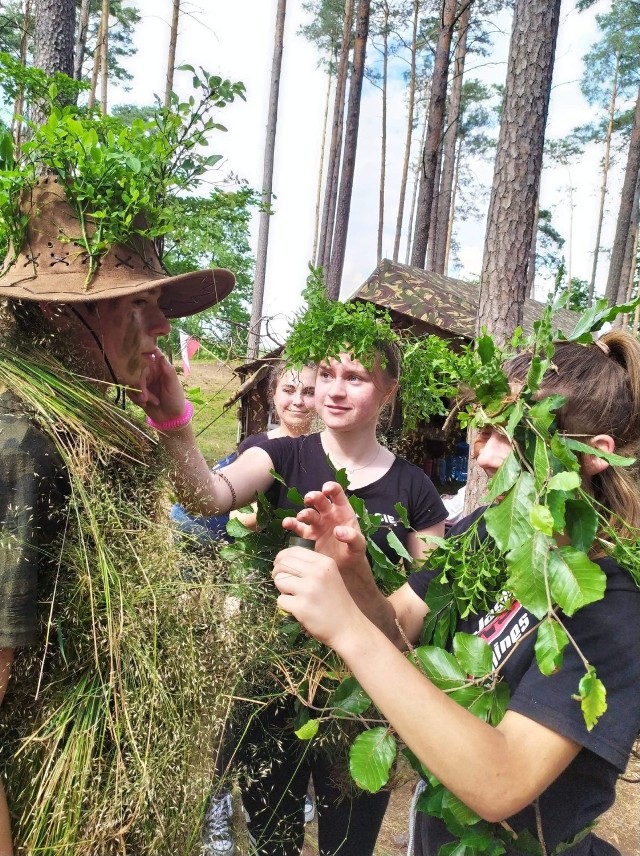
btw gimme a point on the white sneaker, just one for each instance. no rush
(309, 808)
(217, 827)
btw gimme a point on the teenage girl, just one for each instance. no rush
(540, 770)
(349, 399)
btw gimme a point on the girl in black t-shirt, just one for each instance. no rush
(349, 399)
(540, 770)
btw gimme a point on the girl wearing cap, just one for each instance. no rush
(349, 399)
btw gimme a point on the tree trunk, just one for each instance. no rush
(629, 265)
(383, 143)
(516, 179)
(624, 214)
(97, 58)
(531, 264)
(104, 58)
(267, 185)
(517, 169)
(54, 30)
(333, 167)
(339, 242)
(605, 177)
(433, 220)
(19, 105)
(171, 58)
(450, 220)
(449, 146)
(409, 134)
(434, 133)
(323, 146)
(81, 39)
(414, 195)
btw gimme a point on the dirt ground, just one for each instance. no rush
(620, 825)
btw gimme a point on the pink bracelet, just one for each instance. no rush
(173, 424)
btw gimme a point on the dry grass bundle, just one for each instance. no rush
(108, 730)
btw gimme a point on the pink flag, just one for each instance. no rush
(188, 347)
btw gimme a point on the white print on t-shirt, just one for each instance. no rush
(389, 518)
(503, 626)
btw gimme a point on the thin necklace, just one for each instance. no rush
(351, 470)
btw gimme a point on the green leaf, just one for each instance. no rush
(294, 496)
(527, 564)
(593, 697)
(556, 503)
(505, 478)
(440, 667)
(473, 654)
(461, 812)
(508, 522)
(371, 757)
(396, 544)
(309, 730)
(236, 529)
(403, 517)
(609, 457)
(564, 481)
(581, 523)
(561, 451)
(541, 519)
(542, 413)
(350, 697)
(592, 319)
(541, 462)
(550, 644)
(574, 579)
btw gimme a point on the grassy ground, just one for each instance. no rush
(215, 427)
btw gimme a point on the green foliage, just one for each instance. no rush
(210, 232)
(431, 370)
(121, 181)
(328, 328)
(36, 87)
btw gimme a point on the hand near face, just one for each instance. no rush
(161, 395)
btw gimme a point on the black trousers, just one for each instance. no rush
(276, 767)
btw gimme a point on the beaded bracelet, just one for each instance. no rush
(224, 478)
(175, 423)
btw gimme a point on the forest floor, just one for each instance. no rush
(620, 825)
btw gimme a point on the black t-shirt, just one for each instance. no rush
(253, 440)
(302, 463)
(608, 634)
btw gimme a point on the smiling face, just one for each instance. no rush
(293, 399)
(128, 329)
(349, 396)
(490, 448)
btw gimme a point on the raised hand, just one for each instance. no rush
(161, 395)
(330, 521)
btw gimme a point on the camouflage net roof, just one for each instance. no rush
(448, 305)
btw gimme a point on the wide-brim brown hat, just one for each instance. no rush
(53, 267)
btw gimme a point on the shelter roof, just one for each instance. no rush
(439, 304)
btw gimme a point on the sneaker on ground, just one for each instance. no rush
(309, 808)
(217, 827)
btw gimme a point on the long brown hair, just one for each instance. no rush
(601, 386)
